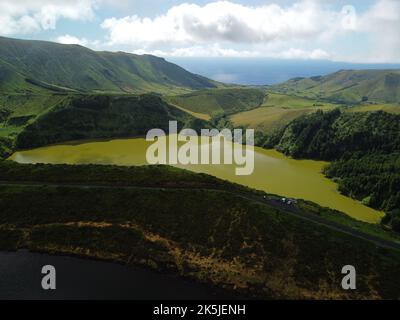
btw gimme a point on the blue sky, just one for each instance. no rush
(337, 30)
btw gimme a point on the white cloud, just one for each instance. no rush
(307, 29)
(382, 23)
(292, 53)
(68, 39)
(217, 51)
(24, 16)
(224, 28)
(200, 51)
(224, 21)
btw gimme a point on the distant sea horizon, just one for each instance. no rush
(263, 71)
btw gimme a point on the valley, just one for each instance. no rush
(329, 142)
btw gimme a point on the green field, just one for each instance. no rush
(219, 101)
(201, 116)
(30, 104)
(267, 119)
(278, 110)
(389, 107)
(273, 99)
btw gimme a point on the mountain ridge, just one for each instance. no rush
(347, 86)
(82, 69)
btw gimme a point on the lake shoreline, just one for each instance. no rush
(214, 289)
(167, 277)
(176, 231)
(274, 172)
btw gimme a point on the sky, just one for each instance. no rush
(362, 31)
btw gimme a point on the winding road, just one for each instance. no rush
(292, 210)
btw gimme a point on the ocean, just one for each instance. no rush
(262, 71)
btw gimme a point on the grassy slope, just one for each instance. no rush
(82, 69)
(202, 116)
(218, 101)
(278, 110)
(23, 109)
(348, 86)
(366, 107)
(267, 119)
(254, 249)
(20, 110)
(274, 99)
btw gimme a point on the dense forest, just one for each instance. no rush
(364, 148)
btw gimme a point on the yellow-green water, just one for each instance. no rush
(273, 172)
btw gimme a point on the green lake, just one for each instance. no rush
(273, 172)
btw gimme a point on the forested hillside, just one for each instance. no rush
(365, 148)
(102, 116)
(330, 135)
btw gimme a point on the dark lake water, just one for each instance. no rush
(20, 278)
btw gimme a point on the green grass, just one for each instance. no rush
(341, 218)
(268, 119)
(202, 116)
(388, 107)
(30, 104)
(23, 109)
(8, 131)
(277, 111)
(274, 99)
(219, 101)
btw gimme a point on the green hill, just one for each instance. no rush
(161, 218)
(25, 63)
(102, 116)
(330, 135)
(12, 81)
(347, 86)
(219, 101)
